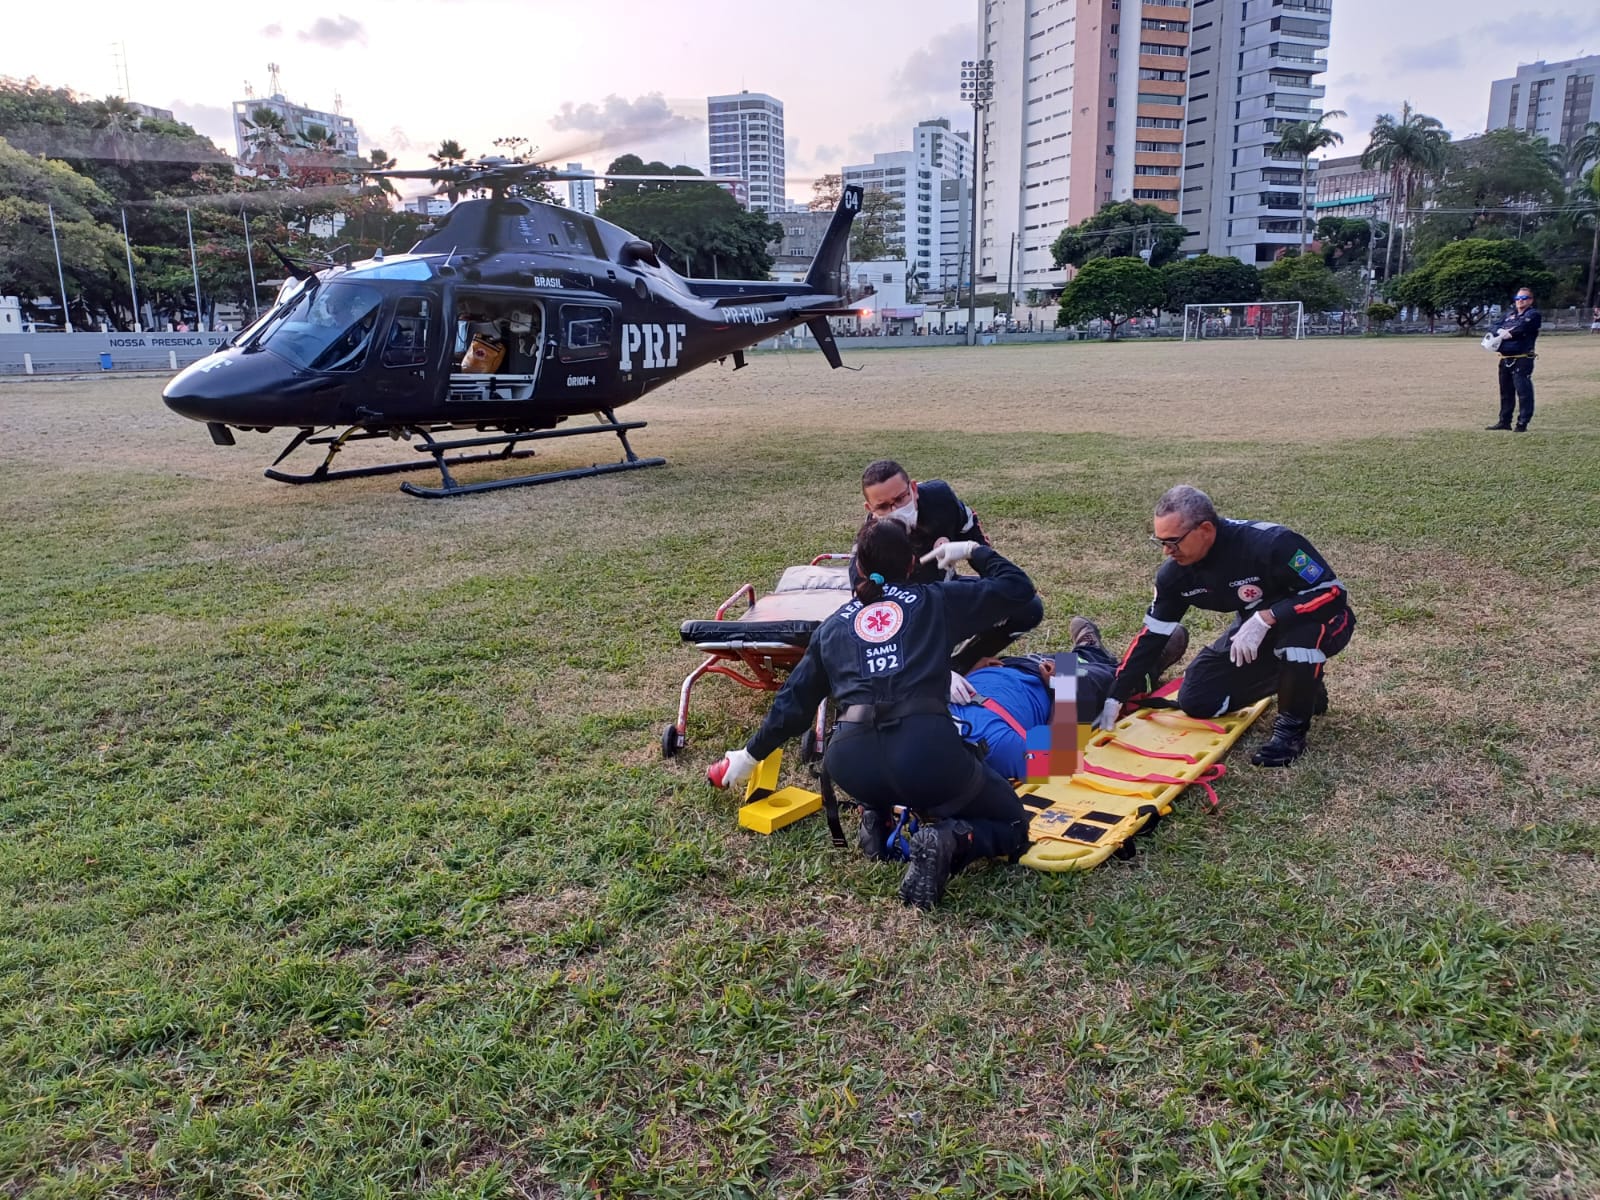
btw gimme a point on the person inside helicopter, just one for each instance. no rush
(326, 329)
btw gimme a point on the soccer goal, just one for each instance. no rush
(1246, 318)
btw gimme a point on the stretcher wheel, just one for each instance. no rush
(810, 751)
(672, 741)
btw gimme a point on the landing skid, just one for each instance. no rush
(440, 451)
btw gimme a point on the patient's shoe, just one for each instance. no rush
(1177, 646)
(1083, 632)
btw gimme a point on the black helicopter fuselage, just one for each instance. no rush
(584, 318)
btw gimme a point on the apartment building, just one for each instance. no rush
(916, 178)
(1253, 68)
(745, 135)
(1551, 100)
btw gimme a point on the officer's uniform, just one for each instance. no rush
(1521, 331)
(1251, 566)
(886, 665)
(942, 514)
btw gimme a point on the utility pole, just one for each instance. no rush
(977, 89)
(66, 313)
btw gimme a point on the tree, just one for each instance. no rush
(379, 160)
(1301, 140)
(1465, 278)
(632, 164)
(449, 154)
(1583, 150)
(267, 141)
(1343, 241)
(1409, 149)
(879, 228)
(701, 227)
(1208, 279)
(1505, 169)
(1113, 290)
(1119, 230)
(825, 193)
(1305, 278)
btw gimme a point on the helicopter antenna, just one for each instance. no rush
(451, 255)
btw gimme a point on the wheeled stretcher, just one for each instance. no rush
(757, 648)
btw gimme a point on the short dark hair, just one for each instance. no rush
(1189, 502)
(883, 548)
(1522, 287)
(881, 471)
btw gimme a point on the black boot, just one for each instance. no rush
(873, 836)
(1287, 743)
(934, 852)
(1499, 425)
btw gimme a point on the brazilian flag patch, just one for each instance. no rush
(1303, 565)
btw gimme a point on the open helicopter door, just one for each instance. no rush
(499, 346)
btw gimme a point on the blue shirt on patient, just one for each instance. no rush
(1022, 694)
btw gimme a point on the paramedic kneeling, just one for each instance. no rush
(884, 659)
(934, 513)
(1293, 615)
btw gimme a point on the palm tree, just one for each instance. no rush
(379, 160)
(1583, 150)
(1302, 140)
(266, 136)
(449, 153)
(1585, 198)
(1409, 149)
(118, 123)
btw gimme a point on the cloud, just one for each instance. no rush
(334, 31)
(934, 70)
(1562, 34)
(395, 141)
(619, 123)
(272, 31)
(1442, 55)
(215, 121)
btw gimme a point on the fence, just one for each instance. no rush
(51, 353)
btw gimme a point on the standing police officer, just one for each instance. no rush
(1293, 615)
(1517, 332)
(933, 512)
(884, 659)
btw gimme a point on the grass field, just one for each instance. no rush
(340, 859)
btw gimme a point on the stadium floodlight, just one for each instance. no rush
(1245, 318)
(977, 89)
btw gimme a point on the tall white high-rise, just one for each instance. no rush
(915, 177)
(1551, 100)
(580, 192)
(745, 133)
(1253, 67)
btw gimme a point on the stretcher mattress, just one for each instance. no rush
(1131, 776)
(805, 597)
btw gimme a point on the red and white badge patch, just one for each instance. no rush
(1249, 593)
(879, 622)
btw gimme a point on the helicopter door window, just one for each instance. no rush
(407, 345)
(585, 332)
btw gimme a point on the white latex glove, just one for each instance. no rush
(1110, 714)
(946, 557)
(735, 768)
(1247, 641)
(1492, 340)
(961, 692)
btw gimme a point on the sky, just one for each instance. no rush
(854, 77)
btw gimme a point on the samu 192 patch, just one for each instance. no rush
(1303, 565)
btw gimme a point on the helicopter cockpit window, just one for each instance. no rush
(327, 329)
(395, 268)
(585, 332)
(407, 343)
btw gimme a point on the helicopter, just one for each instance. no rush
(510, 317)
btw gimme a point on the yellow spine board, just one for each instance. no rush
(1086, 818)
(783, 807)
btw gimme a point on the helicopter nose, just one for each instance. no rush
(229, 387)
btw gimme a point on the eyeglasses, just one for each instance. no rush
(1524, 296)
(888, 506)
(1172, 543)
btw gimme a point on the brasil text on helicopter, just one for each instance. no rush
(510, 317)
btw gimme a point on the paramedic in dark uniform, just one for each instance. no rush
(1517, 332)
(933, 512)
(884, 659)
(1293, 615)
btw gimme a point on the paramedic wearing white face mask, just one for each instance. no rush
(934, 513)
